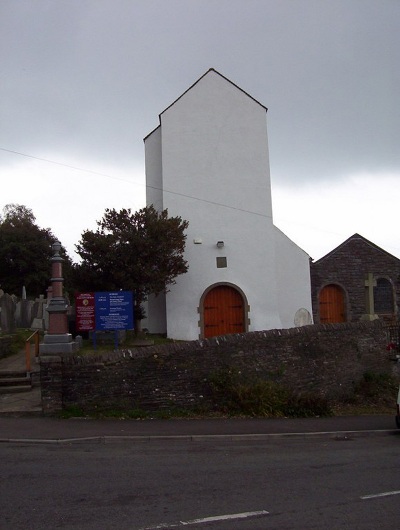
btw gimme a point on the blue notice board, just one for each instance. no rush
(113, 310)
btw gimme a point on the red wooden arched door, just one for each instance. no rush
(332, 305)
(223, 308)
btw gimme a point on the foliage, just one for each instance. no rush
(375, 389)
(141, 252)
(238, 395)
(25, 252)
(130, 341)
(18, 339)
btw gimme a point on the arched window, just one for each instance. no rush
(383, 296)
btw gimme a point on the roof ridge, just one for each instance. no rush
(355, 236)
(223, 77)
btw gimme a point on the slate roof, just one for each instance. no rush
(355, 236)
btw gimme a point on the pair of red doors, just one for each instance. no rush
(223, 309)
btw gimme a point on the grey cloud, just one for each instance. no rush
(85, 80)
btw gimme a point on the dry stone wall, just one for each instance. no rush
(324, 359)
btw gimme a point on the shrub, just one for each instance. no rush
(375, 388)
(235, 394)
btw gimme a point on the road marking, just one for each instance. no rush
(231, 516)
(385, 494)
(227, 517)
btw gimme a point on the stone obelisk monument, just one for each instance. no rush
(57, 340)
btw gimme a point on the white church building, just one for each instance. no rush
(208, 163)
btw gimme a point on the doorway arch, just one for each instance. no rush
(332, 307)
(223, 310)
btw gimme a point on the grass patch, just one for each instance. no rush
(71, 412)
(132, 340)
(18, 340)
(374, 393)
(236, 395)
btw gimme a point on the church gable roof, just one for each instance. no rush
(348, 241)
(211, 70)
(223, 77)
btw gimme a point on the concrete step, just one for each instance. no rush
(15, 389)
(14, 381)
(12, 373)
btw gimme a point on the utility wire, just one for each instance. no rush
(126, 180)
(76, 168)
(63, 165)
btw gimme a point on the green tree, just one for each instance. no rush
(25, 252)
(140, 252)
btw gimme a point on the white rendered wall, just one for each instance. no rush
(210, 155)
(293, 279)
(153, 162)
(215, 147)
(156, 319)
(156, 315)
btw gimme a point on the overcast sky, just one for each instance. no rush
(83, 82)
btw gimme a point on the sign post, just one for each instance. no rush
(84, 304)
(104, 311)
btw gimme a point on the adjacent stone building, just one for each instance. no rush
(356, 281)
(208, 163)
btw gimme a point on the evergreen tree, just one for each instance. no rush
(140, 252)
(25, 252)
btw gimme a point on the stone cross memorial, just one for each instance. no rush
(369, 283)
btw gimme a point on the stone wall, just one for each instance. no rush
(347, 266)
(325, 359)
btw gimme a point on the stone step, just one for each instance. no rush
(4, 374)
(15, 381)
(14, 389)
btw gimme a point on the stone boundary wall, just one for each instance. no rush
(323, 359)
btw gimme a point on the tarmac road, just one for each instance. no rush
(296, 482)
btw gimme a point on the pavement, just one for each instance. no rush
(21, 420)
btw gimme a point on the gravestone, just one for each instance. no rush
(23, 314)
(7, 313)
(38, 317)
(302, 318)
